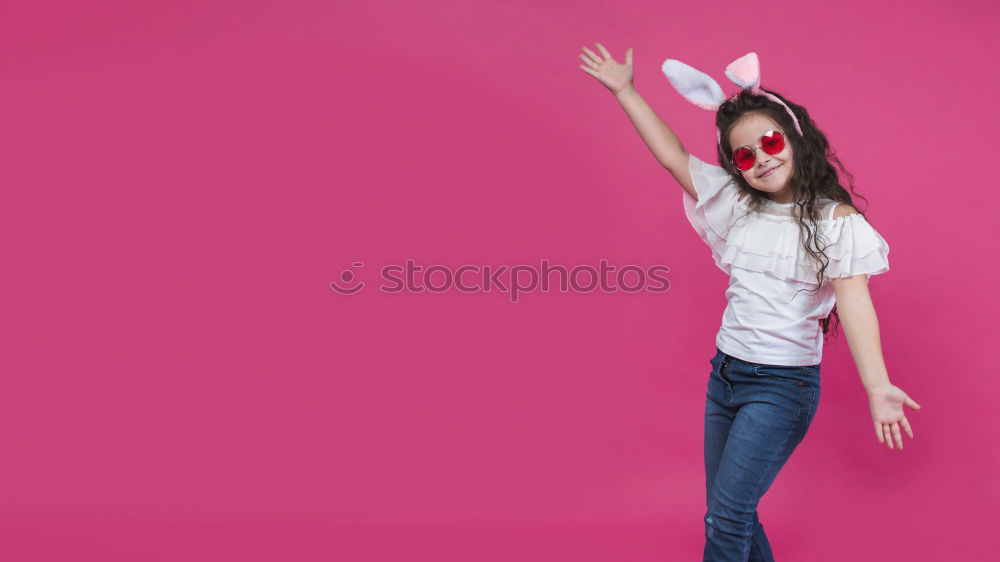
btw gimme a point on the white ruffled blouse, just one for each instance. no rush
(769, 319)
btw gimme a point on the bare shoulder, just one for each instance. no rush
(843, 210)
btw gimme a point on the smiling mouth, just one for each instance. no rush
(768, 172)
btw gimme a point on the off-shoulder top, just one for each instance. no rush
(768, 318)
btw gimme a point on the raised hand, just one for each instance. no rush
(603, 67)
(886, 403)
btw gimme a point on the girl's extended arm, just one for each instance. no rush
(886, 401)
(662, 142)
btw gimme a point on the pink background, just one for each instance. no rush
(182, 182)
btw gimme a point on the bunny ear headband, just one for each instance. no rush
(701, 90)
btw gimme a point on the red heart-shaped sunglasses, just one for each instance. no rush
(772, 142)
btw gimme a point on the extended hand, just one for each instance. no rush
(613, 75)
(886, 403)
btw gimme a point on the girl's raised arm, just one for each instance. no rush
(662, 142)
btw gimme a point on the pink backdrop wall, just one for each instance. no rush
(182, 182)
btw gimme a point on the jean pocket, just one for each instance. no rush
(798, 376)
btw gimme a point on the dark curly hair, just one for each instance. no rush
(813, 175)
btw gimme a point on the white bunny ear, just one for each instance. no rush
(696, 86)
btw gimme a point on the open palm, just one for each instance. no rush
(604, 67)
(886, 403)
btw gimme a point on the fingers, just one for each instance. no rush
(589, 62)
(906, 427)
(909, 402)
(604, 52)
(593, 56)
(890, 434)
(589, 71)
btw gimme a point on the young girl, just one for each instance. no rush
(787, 233)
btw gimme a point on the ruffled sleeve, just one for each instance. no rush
(855, 247)
(712, 214)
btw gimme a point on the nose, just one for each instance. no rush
(762, 158)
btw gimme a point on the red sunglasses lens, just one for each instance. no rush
(744, 158)
(772, 142)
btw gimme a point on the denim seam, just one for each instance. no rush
(791, 428)
(813, 402)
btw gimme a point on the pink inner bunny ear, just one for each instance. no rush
(745, 71)
(696, 86)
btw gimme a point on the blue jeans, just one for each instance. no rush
(755, 416)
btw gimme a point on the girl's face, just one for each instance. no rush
(779, 167)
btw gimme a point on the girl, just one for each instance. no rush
(787, 233)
